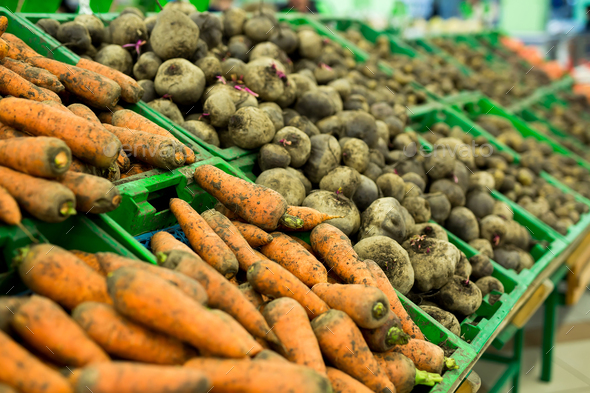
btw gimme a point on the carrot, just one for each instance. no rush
(4, 49)
(236, 327)
(342, 343)
(398, 309)
(426, 356)
(131, 91)
(41, 156)
(402, 372)
(291, 324)
(203, 239)
(93, 194)
(9, 132)
(159, 305)
(134, 121)
(295, 258)
(131, 377)
(107, 116)
(92, 88)
(255, 236)
(13, 84)
(344, 383)
(17, 49)
(57, 105)
(310, 217)
(27, 374)
(123, 161)
(48, 329)
(222, 294)
(233, 376)
(89, 142)
(109, 262)
(303, 244)
(336, 250)
(386, 336)
(9, 210)
(89, 259)
(57, 274)
(84, 112)
(163, 243)
(250, 294)
(46, 200)
(3, 25)
(125, 339)
(273, 280)
(37, 76)
(9, 305)
(257, 204)
(367, 306)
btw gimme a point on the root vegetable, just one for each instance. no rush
(366, 193)
(75, 35)
(418, 207)
(274, 113)
(273, 156)
(281, 181)
(315, 105)
(94, 26)
(429, 230)
(324, 157)
(50, 26)
(445, 318)
(46, 157)
(402, 372)
(335, 205)
(93, 194)
(341, 180)
(296, 142)
(128, 28)
(149, 90)
(220, 108)
(481, 203)
(250, 128)
(147, 66)
(180, 79)
(489, 284)
(383, 217)
(355, 154)
(233, 21)
(451, 190)
(493, 229)
(262, 77)
(114, 56)
(344, 383)
(386, 336)
(175, 35)
(211, 67)
(202, 131)
(463, 223)
(392, 186)
(209, 26)
(304, 124)
(460, 296)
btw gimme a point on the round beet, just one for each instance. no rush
(460, 296)
(273, 156)
(463, 223)
(481, 266)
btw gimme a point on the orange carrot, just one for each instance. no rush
(270, 355)
(9, 210)
(163, 243)
(303, 244)
(203, 239)
(123, 161)
(107, 116)
(57, 274)
(9, 132)
(237, 328)
(228, 213)
(130, 377)
(89, 142)
(131, 91)
(9, 305)
(336, 250)
(310, 217)
(84, 112)
(125, 339)
(273, 280)
(231, 376)
(13, 84)
(387, 335)
(37, 76)
(89, 259)
(57, 105)
(3, 25)
(344, 383)
(291, 324)
(257, 204)
(425, 356)
(109, 262)
(48, 329)
(222, 294)
(402, 372)
(17, 49)
(27, 374)
(93, 194)
(398, 309)
(250, 294)
(41, 156)
(46, 200)
(134, 121)
(255, 236)
(342, 343)
(159, 305)
(4, 49)
(295, 258)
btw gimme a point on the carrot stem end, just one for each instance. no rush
(379, 310)
(396, 336)
(450, 363)
(61, 160)
(291, 221)
(426, 378)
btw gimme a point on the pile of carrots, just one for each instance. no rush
(105, 139)
(242, 308)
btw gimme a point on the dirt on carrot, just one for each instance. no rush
(93, 194)
(17, 49)
(37, 76)
(9, 132)
(255, 236)
(344, 383)
(9, 210)
(41, 156)
(13, 84)
(131, 91)
(163, 243)
(310, 217)
(89, 259)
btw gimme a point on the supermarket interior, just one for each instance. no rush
(303, 196)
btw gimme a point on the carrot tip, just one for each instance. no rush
(426, 378)
(67, 209)
(61, 159)
(379, 310)
(450, 363)
(396, 336)
(291, 221)
(116, 200)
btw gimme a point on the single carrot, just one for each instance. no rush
(89, 259)
(367, 306)
(41, 156)
(123, 161)
(203, 239)
(125, 339)
(9, 132)
(48, 329)
(273, 280)
(131, 91)
(57, 274)
(398, 309)
(222, 294)
(310, 217)
(9, 305)
(107, 116)
(255, 236)
(46, 200)
(303, 244)
(335, 249)
(231, 376)
(270, 355)
(109, 262)
(344, 383)
(402, 372)
(17, 49)
(92, 88)
(134, 121)
(228, 213)
(386, 336)
(93, 194)
(3, 24)
(88, 142)
(295, 258)
(9, 210)
(257, 204)
(250, 293)
(13, 84)
(426, 356)
(291, 325)
(163, 243)
(84, 112)
(342, 343)
(131, 377)
(159, 305)
(27, 374)
(4, 49)
(37, 76)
